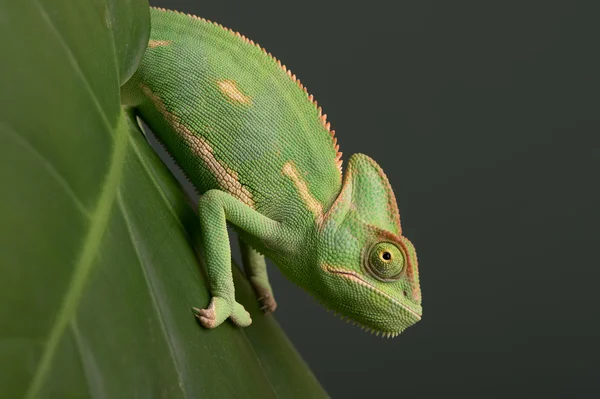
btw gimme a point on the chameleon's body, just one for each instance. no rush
(254, 143)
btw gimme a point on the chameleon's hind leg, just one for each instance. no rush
(256, 270)
(215, 209)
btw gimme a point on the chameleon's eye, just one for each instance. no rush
(385, 261)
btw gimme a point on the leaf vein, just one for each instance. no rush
(151, 290)
(75, 64)
(52, 171)
(85, 261)
(259, 362)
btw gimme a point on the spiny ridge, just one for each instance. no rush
(323, 117)
(384, 334)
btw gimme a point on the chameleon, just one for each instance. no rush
(260, 151)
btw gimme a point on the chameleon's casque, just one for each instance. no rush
(256, 145)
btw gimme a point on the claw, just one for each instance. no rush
(206, 316)
(268, 304)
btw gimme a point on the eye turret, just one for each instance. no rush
(385, 261)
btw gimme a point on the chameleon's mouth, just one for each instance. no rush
(353, 276)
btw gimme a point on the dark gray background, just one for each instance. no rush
(485, 117)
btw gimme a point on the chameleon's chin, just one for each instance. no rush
(374, 310)
(387, 327)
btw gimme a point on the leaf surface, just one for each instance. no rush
(97, 267)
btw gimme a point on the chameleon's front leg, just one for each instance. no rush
(256, 270)
(215, 208)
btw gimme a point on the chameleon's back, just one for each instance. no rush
(233, 117)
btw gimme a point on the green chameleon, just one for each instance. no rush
(258, 148)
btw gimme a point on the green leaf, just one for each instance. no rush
(97, 267)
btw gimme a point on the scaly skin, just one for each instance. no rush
(256, 145)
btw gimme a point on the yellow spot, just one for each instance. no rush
(229, 88)
(289, 169)
(158, 43)
(227, 178)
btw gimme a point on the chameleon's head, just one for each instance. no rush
(368, 271)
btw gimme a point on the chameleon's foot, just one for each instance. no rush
(264, 293)
(267, 303)
(220, 309)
